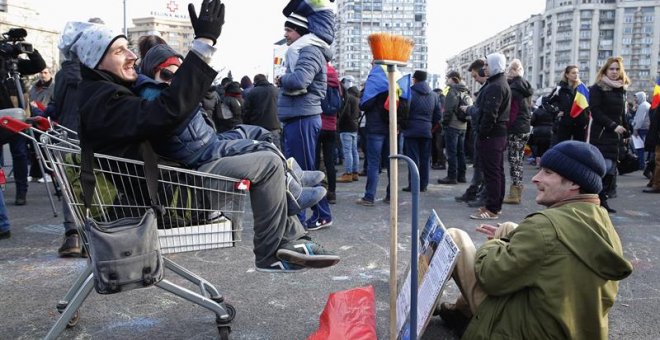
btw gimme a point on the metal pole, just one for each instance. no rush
(125, 27)
(394, 200)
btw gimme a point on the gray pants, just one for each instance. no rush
(265, 171)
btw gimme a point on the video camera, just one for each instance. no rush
(13, 43)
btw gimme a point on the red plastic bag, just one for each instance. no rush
(348, 314)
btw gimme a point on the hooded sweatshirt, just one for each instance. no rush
(641, 121)
(554, 277)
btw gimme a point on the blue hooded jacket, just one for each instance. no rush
(424, 111)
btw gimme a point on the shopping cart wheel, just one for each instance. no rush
(74, 320)
(224, 332)
(232, 314)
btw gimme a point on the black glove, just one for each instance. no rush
(211, 18)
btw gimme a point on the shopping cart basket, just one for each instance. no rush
(201, 211)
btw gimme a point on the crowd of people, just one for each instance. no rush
(290, 132)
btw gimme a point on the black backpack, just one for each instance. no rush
(333, 101)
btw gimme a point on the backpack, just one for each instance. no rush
(464, 99)
(333, 101)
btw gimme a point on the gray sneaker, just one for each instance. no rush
(306, 253)
(305, 178)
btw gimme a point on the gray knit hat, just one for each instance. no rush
(89, 42)
(578, 162)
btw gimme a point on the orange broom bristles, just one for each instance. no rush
(387, 46)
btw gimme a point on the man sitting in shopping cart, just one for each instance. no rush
(116, 122)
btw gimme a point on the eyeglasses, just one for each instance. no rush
(166, 75)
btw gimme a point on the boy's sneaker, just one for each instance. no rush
(306, 253)
(305, 178)
(280, 266)
(320, 224)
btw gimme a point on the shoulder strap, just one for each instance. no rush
(88, 180)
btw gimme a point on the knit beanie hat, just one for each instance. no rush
(579, 162)
(159, 56)
(298, 23)
(91, 43)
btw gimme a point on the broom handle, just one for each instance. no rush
(394, 200)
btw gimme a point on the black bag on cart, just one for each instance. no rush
(125, 253)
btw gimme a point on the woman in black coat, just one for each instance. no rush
(567, 127)
(608, 108)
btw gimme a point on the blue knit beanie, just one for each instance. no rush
(578, 162)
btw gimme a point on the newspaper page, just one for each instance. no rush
(436, 259)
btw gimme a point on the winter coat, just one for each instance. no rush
(424, 111)
(374, 110)
(520, 116)
(308, 81)
(494, 103)
(564, 99)
(329, 121)
(34, 64)
(608, 108)
(641, 120)
(63, 106)
(542, 121)
(114, 121)
(195, 142)
(457, 96)
(42, 92)
(260, 106)
(554, 277)
(234, 101)
(350, 112)
(653, 136)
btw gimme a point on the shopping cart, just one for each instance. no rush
(201, 211)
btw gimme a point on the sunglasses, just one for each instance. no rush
(166, 75)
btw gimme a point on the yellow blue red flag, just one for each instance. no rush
(377, 83)
(581, 100)
(656, 95)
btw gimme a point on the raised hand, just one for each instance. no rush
(210, 20)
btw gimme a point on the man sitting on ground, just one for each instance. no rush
(554, 276)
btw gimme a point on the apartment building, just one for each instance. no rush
(583, 33)
(357, 19)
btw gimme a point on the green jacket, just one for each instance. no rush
(555, 277)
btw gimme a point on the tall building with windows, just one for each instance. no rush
(357, 19)
(169, 22)
(585, 33)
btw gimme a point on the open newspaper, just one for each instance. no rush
(436, 259)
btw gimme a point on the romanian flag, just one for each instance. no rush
(377, 83)
(581, 100)
(656, 95)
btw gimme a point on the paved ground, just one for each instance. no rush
(287, 306)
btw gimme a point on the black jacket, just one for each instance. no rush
(520, 116)
(564, 102)
(64, 104)
(34, 64)
(349, 116)
(608, 107)
(494, 103)
(114, 121)
(260, 106)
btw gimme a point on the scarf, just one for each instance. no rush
(293, 52)
(615, 84)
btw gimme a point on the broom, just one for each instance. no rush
(392, 50)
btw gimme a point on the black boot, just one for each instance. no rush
(469, 195)
(608, 181)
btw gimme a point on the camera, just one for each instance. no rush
(13, 43)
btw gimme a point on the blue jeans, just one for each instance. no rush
(419, 150)
(640, 152)
(455, 148)
(375, 145)
(351, 157)
(4, 219)
(299, 140)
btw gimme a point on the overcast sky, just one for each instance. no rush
(252, 26)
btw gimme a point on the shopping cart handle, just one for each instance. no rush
(41, 123)
(12, 124)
